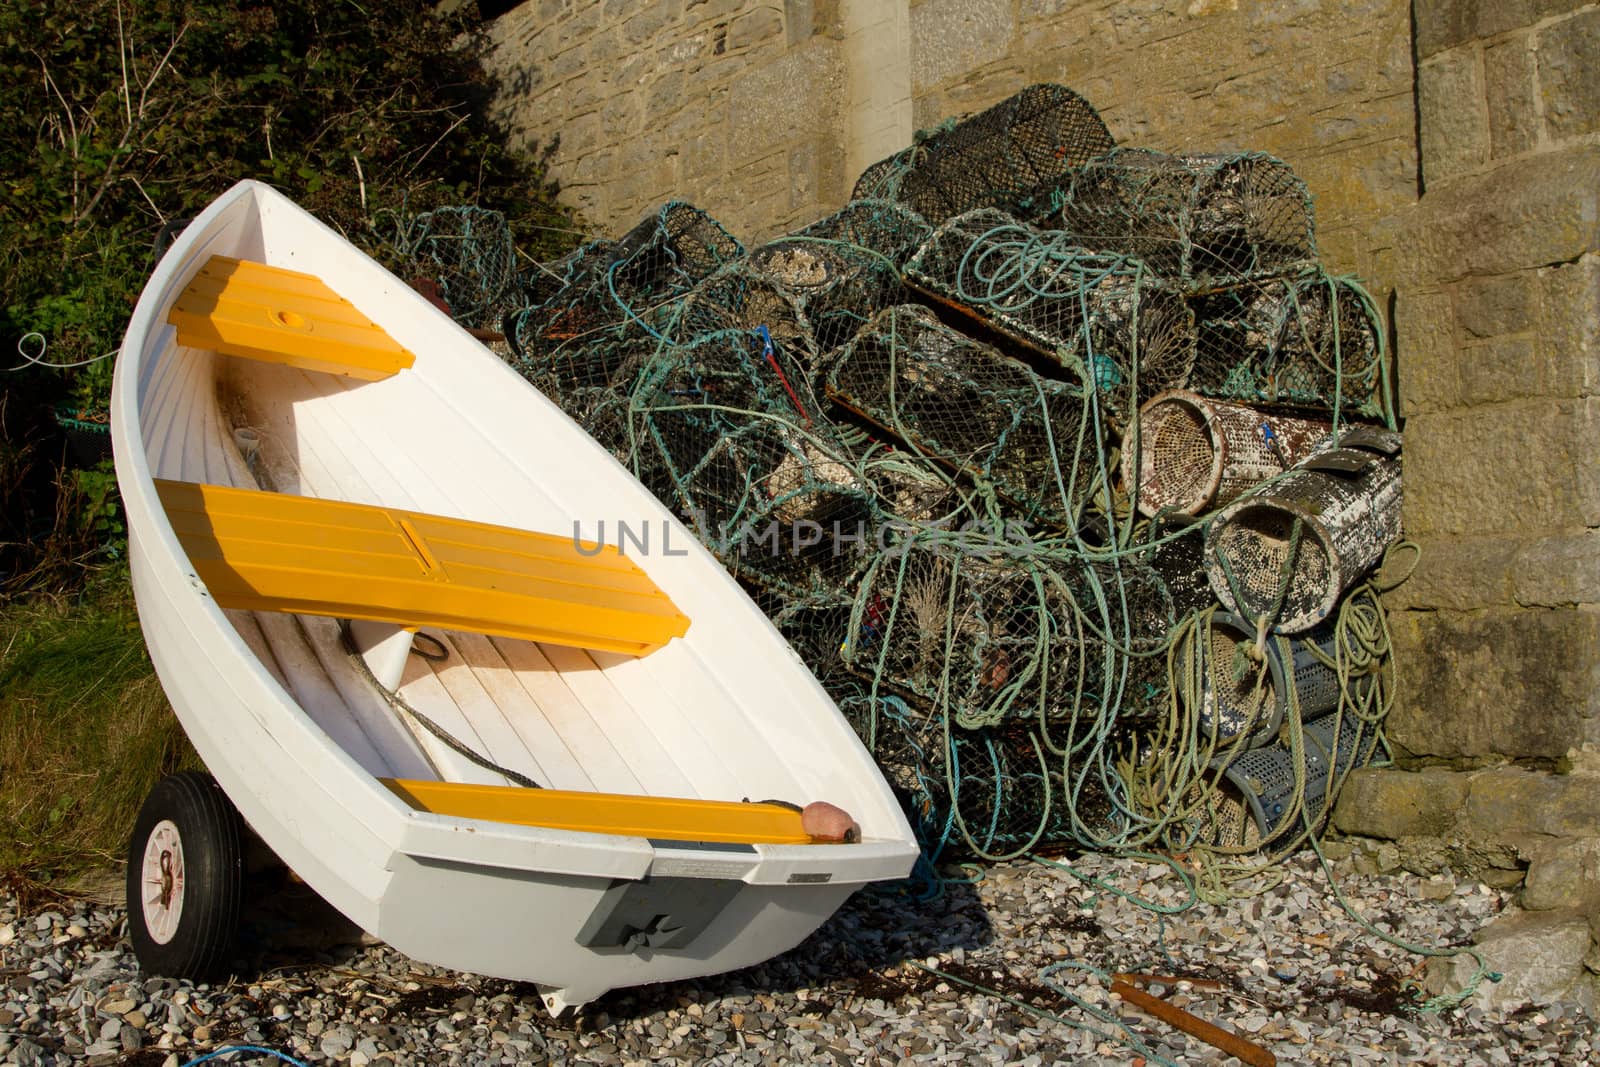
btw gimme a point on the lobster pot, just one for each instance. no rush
(739, 300)
(612, 286)
(1008, 156)
(967, 406)
(845, 268)
(1232, 703)
(603, 414)
(605, 364)
(1198, 221)
(1308, 341)
(1346, 503)
(1102, 313)
(972, 630)
(911, 492)
(1177, 555)
(1260, 783)
(468, 250)
(1193, 454)
(774, 507)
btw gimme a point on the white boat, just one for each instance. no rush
(297, 452)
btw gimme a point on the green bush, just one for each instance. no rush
(125, 118)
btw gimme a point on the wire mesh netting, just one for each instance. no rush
(1288, 550)
(1307, 341)
(963, 404)
(466, 252)
(1102, 316)
(845, 268)
(609, 287)
(1198, 221)
(1013, 156)
(1186, 453)
(994, 633)
(778, 500)
(1003, 573)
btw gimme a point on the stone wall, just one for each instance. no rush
(1498, 631)
(731, 104)
(764, 113)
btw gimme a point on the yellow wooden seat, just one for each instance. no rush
(667, 818)
(274, 552)
(252, 310)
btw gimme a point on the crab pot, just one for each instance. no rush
(778, 510)
(1102, 316)
(1180, 563)
(1345, 502)
(1198, 221)
(468, 250)
(611, 286)
(596, 365)
(912, 493)
(963, 404)
(994, 641)
(1194, 454)
(1308, 341)
(1229, 703)
(845, 268)
(741, 300)
(1261, 782)
(1009, 156)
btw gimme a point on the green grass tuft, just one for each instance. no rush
(85, 732)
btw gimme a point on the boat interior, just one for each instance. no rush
(565, 717)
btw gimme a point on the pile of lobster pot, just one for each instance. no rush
(1064, 465)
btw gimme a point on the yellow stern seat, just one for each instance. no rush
(667, 818)
(267, 551)
(240, 308)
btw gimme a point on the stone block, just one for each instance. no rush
(1521, 684)
(1453, 122)
(1522, 466)
(798, 93)
(1539, 955)
(1569, 56)
(1559, 571)
(1536, 211)
(1426, 356)
(1564, 873)
(1501, 368)
(1444, 24)
(653, 17)
(1391, 804)
(1588, 428)
(666, 95)
(1459, 574)
(754, 28)
(1489, 307)
(802, 18)
(1508, 85)
(951, 37)
(1569, 295)
(1507, 802)
(622, 114)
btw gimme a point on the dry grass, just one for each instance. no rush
(85, 731)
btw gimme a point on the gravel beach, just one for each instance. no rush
(888, 980)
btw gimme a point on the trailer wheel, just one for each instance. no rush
(185, 877)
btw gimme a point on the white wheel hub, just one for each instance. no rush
(161, 881)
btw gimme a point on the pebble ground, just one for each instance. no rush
(887, 980)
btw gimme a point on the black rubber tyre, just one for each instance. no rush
(185, 878)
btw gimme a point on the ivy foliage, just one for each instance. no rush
(125, 117)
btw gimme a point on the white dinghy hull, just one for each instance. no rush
(302, 741)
